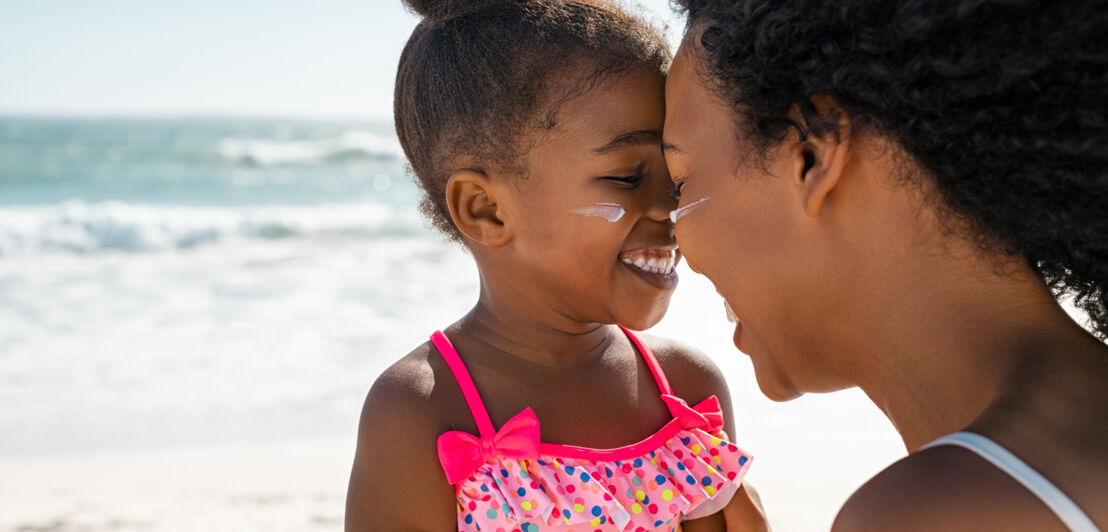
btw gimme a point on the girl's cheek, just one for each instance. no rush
(609, 211)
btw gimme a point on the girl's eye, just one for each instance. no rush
(630, 180)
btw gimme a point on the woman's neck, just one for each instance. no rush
(961, 344)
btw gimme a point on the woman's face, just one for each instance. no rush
(747, 231)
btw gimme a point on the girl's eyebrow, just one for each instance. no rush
(633, 138)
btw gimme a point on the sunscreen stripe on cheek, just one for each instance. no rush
(677, 214)
(612, 212)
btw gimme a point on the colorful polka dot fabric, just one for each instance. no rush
(507, 480)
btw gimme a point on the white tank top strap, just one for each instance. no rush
(1002, 458)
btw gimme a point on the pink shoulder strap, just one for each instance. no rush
(651, 362)
(465, 382)
(477, 406)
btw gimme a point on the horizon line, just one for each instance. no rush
(80, 115)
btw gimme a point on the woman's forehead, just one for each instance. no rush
(690, 108)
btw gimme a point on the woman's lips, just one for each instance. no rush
(731, 317)
(737, 336)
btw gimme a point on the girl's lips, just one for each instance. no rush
(661, 281)
(656, 265)
(652, 260)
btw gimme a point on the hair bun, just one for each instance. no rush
(445, 9)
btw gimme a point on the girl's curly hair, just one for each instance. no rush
(478, 77)
(1002, 103)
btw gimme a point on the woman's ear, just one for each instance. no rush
(820, 162)
(472, 199)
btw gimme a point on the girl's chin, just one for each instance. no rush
(642, 322)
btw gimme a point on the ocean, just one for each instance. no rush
(197, 281)
(192, 297)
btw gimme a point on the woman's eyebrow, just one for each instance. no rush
(633, 138)
(670, 147)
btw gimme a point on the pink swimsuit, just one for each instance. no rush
(509, 481)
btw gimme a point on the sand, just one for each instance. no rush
(810, 454)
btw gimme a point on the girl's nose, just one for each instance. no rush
(663, 199)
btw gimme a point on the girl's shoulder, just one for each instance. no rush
(418, 384)
(691, 373)
(685, 366)
(396, 477)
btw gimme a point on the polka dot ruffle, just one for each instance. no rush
(691, 475)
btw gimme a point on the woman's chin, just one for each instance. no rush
(771, 381)
(776, 390)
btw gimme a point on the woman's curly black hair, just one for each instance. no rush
(1002, 103)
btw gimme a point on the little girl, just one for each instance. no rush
(534, 128)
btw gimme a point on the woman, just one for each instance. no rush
(890, 195)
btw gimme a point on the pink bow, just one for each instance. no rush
(705, 415)
(461, 453)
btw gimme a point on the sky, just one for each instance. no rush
(329, 59)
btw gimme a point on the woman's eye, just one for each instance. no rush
(677, 186)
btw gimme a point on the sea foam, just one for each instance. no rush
(77, 226)
(349, 145)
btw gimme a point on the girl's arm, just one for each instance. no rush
(397, 482)
(745, 513)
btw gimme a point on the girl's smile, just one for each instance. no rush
(655, 265)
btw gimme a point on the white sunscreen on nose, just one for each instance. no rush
(677, 214)
(612, 212)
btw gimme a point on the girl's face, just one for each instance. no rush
(749, 235)
(592, 228)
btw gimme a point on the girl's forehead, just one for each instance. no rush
(613, 106)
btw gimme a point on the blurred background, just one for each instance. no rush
(209, 248)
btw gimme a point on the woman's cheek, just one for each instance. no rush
(694, 236)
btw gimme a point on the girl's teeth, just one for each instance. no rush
(663, 265)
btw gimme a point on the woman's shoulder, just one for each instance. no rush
(944, 488)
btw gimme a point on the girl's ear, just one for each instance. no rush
(472, 199)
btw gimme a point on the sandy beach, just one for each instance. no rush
(301, 486)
